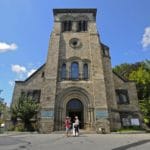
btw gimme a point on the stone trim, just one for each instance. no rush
(120, 77)
(82, 10)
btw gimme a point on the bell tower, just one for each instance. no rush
(74, 70)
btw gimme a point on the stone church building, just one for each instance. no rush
(77, 79)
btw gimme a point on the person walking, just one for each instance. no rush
(76, 126)
(67, 125)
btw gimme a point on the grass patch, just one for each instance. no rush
(130, 129)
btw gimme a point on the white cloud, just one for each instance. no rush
(18, 69)
(12, 83)
(22, 72)
(31, 72)
(146, 38)
(4, 47)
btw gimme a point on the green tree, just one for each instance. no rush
(125, 69)
(2, 105)
(145, 108)
(2, 109)
(140, 73)
(25, 109)
(142, 78)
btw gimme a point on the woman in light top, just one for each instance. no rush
(76, 126)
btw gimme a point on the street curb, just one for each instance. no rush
(130, 132)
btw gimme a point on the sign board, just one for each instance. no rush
(101, 114)
(135, 122)
(47, 114)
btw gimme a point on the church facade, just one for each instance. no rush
(77, 79)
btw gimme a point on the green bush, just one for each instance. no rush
(130, 128)
(34, 126)
(11, 128)
(19, 127)
(1, 121)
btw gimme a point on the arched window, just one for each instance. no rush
(63, 71)
(74, 70)
(85, 71)
(82, 25)
(74, 104)
(67, 25)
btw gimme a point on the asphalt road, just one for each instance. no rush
(83, 142)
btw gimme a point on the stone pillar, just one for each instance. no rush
(60, 119)
(68, 70)
(80, 70)
(46, 120)
(74, 26)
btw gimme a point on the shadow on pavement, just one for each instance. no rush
(11, 141)
(125, 147)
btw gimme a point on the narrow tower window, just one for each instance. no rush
(74, 70)
(43, 74)
(82, 26)
(85, 71)
(67, 25)
(63, 71)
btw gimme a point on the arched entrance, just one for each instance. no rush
(74, 108)
(74, 101)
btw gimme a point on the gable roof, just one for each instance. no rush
(122, 78)
(40, 68)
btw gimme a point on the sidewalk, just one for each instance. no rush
(11, 133)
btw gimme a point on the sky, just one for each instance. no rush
(26, 25)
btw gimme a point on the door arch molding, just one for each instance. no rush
(64, 97)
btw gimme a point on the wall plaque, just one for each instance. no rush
(135, 122)
(101, 114)
(47, 114)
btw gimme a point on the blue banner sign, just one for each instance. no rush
(47, 114)
(101, 114)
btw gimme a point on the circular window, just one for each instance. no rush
(75, 43)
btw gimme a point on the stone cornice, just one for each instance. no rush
(73, 10)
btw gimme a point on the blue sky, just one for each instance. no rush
(25, 27)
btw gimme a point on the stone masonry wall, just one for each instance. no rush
(111, 97)
(34, 82)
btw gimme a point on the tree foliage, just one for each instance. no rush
(140, 73)
(3, 110)
(142, 78)
(2, 105)
(125, 69)
(145, 108)
(25, 109)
